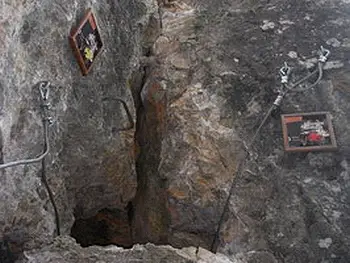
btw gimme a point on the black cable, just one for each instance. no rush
(46, 184)
(221, 220)
(273, 107)
(238, 174)
(43, 163)
(127, 110)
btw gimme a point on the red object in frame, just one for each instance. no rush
(314, 137)
(295, 141)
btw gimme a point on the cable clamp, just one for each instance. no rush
(284, 79)
(49, 120)
(278, 100)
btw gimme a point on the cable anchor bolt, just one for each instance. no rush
(284, 73)
(324, 54)
(44, 88)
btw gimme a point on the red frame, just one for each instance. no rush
(331, 147)
(88, 18)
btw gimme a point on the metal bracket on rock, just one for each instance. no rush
(128, 113)
(324, 54)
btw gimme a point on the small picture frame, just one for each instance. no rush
(307, 132)
(86, 42)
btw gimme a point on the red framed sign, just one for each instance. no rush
(306, 132)
(86, 42)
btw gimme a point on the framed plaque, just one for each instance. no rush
(86, 42)
(306, 132)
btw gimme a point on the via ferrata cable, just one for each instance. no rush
(284, 72)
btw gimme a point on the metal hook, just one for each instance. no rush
(284, 73)
(44, 90)
(285, 70)
(324, 54)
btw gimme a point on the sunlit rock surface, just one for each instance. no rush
(65, 250)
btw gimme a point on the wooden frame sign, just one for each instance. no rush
(86, 42)
(306, 132)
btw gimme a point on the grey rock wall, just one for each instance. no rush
(290, 205)
(215, 76)
(198, 96)
(91, 162)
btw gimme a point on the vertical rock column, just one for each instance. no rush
(187, 158)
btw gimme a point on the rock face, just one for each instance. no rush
(198, 87)
(65, 250)
(213, 78)
(187, 156)
(91, 162)
(287, 204)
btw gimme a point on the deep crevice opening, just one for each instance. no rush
(123, 227)
(114, 226)
(107, 227)
(8, 253)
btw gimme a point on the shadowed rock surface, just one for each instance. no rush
(91, 165)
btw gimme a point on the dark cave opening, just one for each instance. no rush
(107, 227)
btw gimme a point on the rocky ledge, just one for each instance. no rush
(66, 250)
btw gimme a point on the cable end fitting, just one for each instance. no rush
(284, 79)
(44, 88)
(49, 120)
(324, 54)
(278, 100)
(323, 59)
(284, 73)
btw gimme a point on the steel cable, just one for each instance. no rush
(34, 160)
(238, 173)
(43, 171)
(46, 151)
(320, 75)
